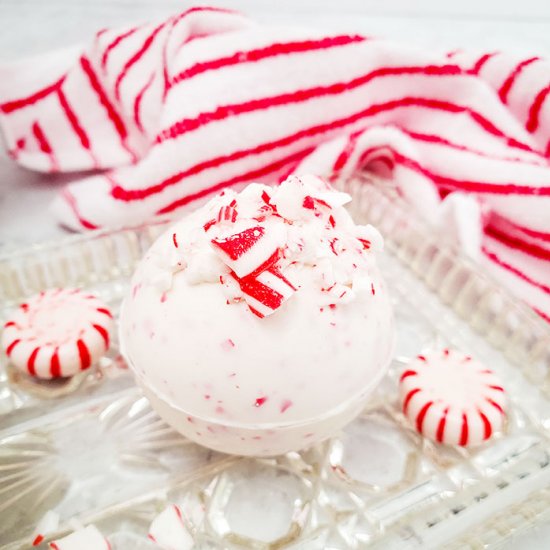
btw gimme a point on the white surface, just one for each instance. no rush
(31, 26)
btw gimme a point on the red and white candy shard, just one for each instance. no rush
(266, 292)
(48, 524)
(58, 333)
(168, 530)
(451, 398)
(88, 538)
(251, 249)
(299, 198)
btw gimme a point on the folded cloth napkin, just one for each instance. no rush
(169, 113)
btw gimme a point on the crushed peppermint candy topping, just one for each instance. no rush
(256, 244)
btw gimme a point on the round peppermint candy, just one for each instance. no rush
(57, 333)
(451, 398)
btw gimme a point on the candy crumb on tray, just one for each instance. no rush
(168, 530)
(451, 398)
(48, 524)
(88, 538)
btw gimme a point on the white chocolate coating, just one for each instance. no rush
(236, 382)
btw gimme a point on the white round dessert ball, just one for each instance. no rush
(260, 323)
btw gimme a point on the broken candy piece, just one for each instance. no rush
(169, 531)
(88, 538)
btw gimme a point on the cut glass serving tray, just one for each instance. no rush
(92, 450)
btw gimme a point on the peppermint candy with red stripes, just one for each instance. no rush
(58, 333)
(452, 398)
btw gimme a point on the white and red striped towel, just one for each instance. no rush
(173, 112)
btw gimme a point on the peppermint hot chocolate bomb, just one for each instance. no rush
(260, 324)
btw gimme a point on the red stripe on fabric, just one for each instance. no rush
(439, 140)
(509, 82)
(44, 145)
(518, 244)
(440, 433)
(346, 153)
(137, 101)
(445, 182)
(165, 74)
(188, 125)
(501, 220)
(10, 324)
(75, 124)
(235, 180)
(224, 111)
(31, 361)
(534, 111)
(112, 113)
(481, 62)
(16, 104)
(114, 44)
(120, 193)
(197, 9)
(531, 232)
(487, 429)
(189, 38)
(273, 50)
(406, 374)
(408, 398)
(71, 201)
(422, 415)
(55, 365)
(464, 432)
(493, 257)
(104, 334)
(137, 56)
(84, 354)
(12, 346)
(542, 314)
